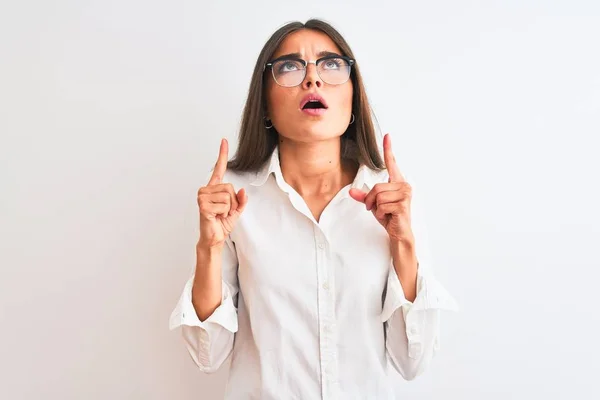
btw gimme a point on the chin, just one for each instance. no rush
(316, 131)
(309, 136)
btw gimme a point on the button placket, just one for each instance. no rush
(414, 350)
(412, 330)
(326, 308)
(414, 320)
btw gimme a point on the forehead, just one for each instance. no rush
(308, 43)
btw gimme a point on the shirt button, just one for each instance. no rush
(415, 350)
(321, 245)
(413, 330)
(326, 286)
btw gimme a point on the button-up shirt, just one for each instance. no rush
(314, 309)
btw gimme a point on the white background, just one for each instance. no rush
(110, 118)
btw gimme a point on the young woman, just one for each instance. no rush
(310, 270)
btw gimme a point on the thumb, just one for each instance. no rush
(242, 199)
(358, 195)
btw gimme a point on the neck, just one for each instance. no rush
(315, 169)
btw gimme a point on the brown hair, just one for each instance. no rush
(256, 143)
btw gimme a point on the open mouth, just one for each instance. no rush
(313, 105)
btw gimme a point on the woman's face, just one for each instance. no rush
(286, 105)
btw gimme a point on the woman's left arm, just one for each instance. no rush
(413, 298)
(411, 310)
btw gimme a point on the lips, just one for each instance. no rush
(313, 102)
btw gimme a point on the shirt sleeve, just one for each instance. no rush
(413, 328)
(210, 342)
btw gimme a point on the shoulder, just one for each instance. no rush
(238, 179)
(372, 177)
(383, 176)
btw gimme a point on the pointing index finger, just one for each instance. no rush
(221, 165)
(390, 160)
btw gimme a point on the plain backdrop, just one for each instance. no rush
(111, 114)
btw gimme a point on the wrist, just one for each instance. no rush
(404, 256)
(402, 245)
(204, 244)
(207, 252)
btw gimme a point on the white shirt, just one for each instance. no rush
(313, 310)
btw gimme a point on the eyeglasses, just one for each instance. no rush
(332, 69)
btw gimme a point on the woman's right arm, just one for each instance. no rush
(207, 310)
(207, 286)
(209, 323)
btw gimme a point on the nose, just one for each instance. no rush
(312, 77)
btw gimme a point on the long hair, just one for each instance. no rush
(256, 142)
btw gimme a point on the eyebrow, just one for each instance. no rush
(326, 53)
(298, 56)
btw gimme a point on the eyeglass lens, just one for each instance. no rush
(333, 71)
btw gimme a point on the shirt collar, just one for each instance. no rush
(271, 166)
(364, 177)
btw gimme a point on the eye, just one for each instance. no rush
(333, 63)
(284, 66)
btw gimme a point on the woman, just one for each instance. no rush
(311, 293)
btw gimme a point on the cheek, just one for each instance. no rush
(346, 98)
(280, 101)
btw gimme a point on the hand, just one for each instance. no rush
(220, 207)
(390, 202)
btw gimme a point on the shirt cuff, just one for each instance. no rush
(430, 295)
(224, 315)
(394, 296)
